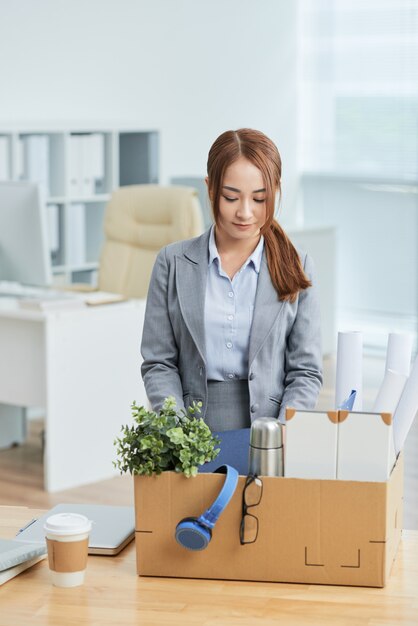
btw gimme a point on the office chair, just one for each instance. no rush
(198, 182)
(139, 220)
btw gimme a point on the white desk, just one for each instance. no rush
(83, 366)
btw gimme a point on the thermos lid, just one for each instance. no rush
(266, 432)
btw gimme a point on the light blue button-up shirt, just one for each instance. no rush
(229, 311)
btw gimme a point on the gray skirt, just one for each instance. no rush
(228, 405)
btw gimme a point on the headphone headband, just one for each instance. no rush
(195, 533)
(211, 515)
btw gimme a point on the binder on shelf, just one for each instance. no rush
(75, 165)
(53, 228)
(76, 223)
(87, 170)
(93, 164)
(19, 159)
(35, 153)
(4, 158)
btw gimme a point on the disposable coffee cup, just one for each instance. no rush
(67, 539)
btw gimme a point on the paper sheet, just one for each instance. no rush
(398, 355)
(349, 374)
(389, 393)
(406, 409)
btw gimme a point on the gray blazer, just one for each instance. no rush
(285, 346)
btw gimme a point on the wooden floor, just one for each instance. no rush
(21, 468)
(21, 479)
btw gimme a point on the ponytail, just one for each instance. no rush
(285, 267)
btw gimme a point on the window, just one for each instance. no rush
(359, 89)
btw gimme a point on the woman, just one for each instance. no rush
(232, 316)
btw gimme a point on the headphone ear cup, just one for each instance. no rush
(192, 535)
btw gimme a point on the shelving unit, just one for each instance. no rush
(77, 169)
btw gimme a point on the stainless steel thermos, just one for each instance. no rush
(266, 447)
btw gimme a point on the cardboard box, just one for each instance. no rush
(310, 531)
(311, 444)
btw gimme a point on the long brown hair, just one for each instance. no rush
(283, 261)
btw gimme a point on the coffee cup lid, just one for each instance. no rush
(67, 524)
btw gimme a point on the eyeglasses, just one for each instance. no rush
(251, 496)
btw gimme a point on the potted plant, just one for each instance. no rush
(158, 450)
(170, 440)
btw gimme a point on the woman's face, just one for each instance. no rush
(242, 204)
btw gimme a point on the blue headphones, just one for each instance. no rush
(195, 533)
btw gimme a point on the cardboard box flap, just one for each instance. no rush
(385, 417)
(332, 415)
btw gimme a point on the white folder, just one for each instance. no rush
(365, 446)
(311, 444)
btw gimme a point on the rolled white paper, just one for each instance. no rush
(389, 393)
(406, 409)
(398, 354)
(349, 374)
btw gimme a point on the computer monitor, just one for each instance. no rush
(24, 249)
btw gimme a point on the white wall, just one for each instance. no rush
(190, 68)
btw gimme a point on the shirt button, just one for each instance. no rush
(251, 376)
(231, 294)
(254, 408)
(230, 376)
(230, 317)
(229, 344)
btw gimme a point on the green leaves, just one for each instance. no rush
(176, 436)
(168, 440)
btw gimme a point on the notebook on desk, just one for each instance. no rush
(15, 557)
(113, 526)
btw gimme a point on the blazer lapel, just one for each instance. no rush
(267, 307)
(191, 274)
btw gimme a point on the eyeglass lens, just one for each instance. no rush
(251, 496)
(249, 528)
(252, 492)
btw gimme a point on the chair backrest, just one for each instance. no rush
(139, 221)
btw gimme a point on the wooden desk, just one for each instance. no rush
(114, 594)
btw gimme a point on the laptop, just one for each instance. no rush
(112, 529)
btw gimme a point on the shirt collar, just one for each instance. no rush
(254, 258)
